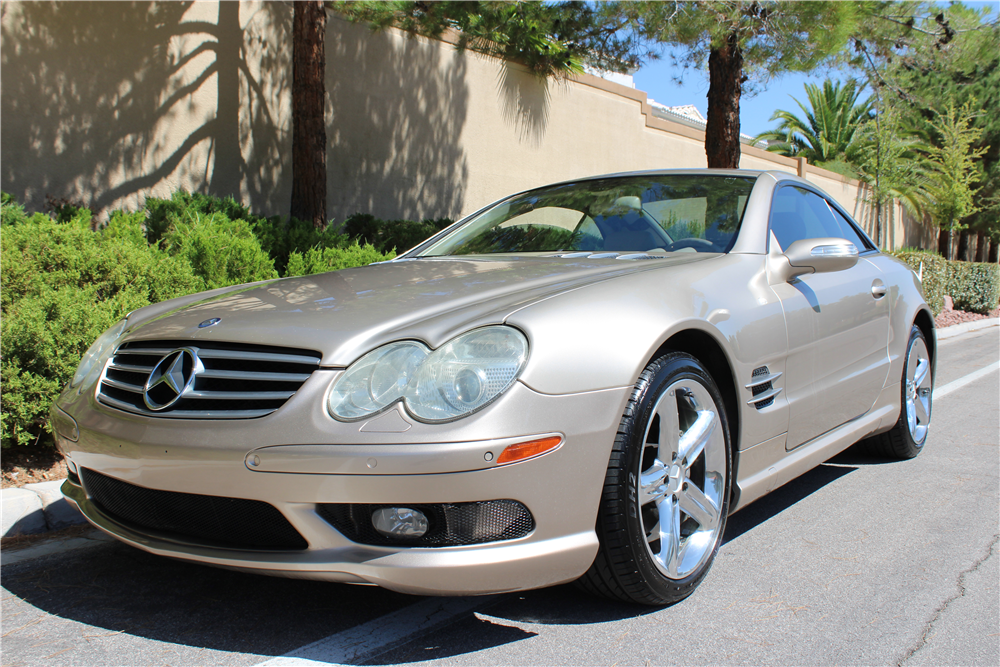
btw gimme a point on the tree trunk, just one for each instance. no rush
(994, 247)
(963, 245)
(309, 112)
(944, 243)
(980, 246)
(722, 132)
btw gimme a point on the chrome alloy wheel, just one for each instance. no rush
(918, 390)
(683, 476)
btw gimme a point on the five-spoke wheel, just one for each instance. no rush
(666, 492)
(906, 438)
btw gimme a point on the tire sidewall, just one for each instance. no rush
(666, 371)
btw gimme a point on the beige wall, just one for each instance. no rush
(108, 103)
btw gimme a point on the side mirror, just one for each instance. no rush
(822, 255)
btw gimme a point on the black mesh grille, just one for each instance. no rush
(761, 388)
(451, 524)
(234, 523)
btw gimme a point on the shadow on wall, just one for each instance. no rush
(524, 102)
(108, 102)
(399, 107)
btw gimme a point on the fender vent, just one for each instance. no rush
(762, 388)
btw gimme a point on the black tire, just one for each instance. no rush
(906, 439)
(629, 567)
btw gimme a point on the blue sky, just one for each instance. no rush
(656, 79)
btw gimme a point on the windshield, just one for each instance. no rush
(664, 213)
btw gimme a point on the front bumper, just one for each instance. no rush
(561, 489)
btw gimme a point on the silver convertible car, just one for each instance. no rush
(578, 382)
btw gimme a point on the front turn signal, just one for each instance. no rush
(529, 450)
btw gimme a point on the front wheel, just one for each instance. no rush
(666, 492)
(907, 437)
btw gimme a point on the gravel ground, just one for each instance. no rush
(951, 317)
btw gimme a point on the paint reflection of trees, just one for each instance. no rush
(125, 80)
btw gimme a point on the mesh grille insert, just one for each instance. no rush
(451, 524)
(234, 523)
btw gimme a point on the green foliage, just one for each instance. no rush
(279, 238)
(974, 286)
(550, 38)
(828, 131)
(63, 285)
(220, 251)
(955, 176)
(321, 260)
(392, 235)
(162, 213)
(934, 271)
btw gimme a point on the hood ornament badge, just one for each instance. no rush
(209, 323)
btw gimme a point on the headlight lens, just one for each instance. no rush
(457, 379)
(98, 353)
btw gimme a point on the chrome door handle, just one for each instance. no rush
(878, 289)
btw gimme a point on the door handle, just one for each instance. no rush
(878, 289)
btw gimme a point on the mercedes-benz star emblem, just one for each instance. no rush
(211, 322)
(172, 377)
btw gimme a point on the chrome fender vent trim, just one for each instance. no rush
(762, 387)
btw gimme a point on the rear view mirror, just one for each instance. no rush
(822, 255)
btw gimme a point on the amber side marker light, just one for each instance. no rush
(530, 449)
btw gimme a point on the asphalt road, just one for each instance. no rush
(856, 562)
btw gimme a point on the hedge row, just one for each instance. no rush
(973, 286)
(63, 283)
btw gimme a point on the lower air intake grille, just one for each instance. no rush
(233, 523)
(451, 524)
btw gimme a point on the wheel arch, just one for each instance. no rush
(925, 321)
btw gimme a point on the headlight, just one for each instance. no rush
(460, 377)
(98, 353)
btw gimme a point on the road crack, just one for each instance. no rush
(929, 627)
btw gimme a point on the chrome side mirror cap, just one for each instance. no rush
(822, 255)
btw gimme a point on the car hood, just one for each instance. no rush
(345, 314)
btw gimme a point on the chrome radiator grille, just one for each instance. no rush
(203, 380)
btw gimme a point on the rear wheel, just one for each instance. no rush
(666, 491)
(907, 437)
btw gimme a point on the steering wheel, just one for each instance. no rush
(700, 245)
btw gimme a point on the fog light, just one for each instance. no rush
(400, 522)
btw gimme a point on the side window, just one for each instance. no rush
(798, 214)
(849, 232)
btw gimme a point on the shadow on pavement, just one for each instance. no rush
(126, 590)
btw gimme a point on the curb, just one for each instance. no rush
(36, 508)
(965, 327)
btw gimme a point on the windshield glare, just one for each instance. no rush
(651, 214)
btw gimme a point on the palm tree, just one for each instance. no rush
(828, 134)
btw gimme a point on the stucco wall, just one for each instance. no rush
(108, 103)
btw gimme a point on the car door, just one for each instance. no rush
(837, 322)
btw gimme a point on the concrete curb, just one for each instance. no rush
(36, 508)
(965, 327)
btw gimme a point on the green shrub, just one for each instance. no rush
(321, 260)
(164, 213)
(280, 238)
(63, 285)
(392, 235)
(974, 286)
(220, 251)
(934, 275)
